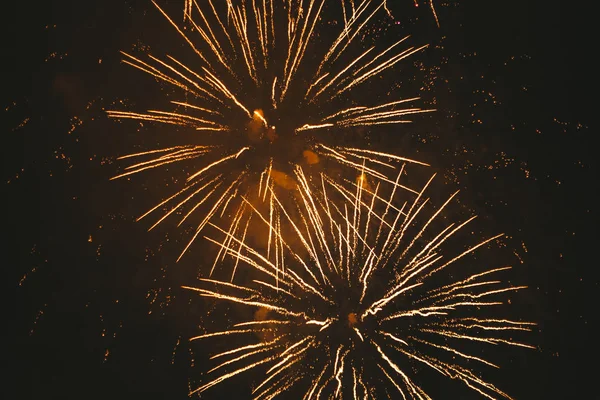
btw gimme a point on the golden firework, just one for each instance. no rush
(362, 290)
(249, 144)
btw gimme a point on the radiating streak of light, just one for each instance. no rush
(216, 295)
(270, 321)
(454, 351)
(238, 349)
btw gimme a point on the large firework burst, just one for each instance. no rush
(271, 87)
(361, 291)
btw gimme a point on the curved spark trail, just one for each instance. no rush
(359, 292)
(266, 92)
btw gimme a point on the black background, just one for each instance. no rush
(93, 308)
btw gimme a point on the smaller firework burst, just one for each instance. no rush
(362, 288)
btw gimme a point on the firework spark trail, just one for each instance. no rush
(370, 319)
(245, 47)
(187, 12)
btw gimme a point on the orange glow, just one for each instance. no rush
(361, 180)
(261, 314)
(282, 179)
(272, 134)
(310, 157)
(352, 319)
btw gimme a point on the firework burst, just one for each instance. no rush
(271, 87)
(359, 292)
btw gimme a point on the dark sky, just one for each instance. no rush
(93, 305)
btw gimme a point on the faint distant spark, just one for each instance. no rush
(360, 292)
(260, 94)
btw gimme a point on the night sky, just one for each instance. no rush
(94, 307)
